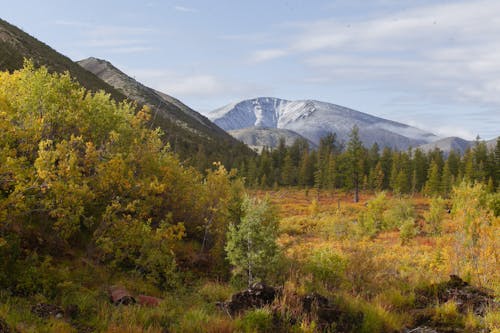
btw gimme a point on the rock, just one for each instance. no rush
(257, 296)
(120, 296)
(45, 310)
(148, 300)
(330, 315)
(463, 294)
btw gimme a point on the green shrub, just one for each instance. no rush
(251, 245)
(326, 268)
(408, 230)
(400, 211)
(334, 226)
(370, 222)
(258, 320)
(434, 217)
(448, 314)
(213, 291)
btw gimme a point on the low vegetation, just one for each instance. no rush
(90, 199)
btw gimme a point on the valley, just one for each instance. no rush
(123, 209)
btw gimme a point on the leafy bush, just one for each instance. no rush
(408, 230)
(132, 245)
(251, 245)
(400, 211)
(370, 222)
(435, 215)
(213, 292)
(326, 267)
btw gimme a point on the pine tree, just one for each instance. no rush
(433, 184)
(386, 163)
(355, 155)
(288, 171)
(378, 177)
(446, 180)
(420, 169)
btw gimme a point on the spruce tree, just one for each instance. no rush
(433, 184)
(355, 155)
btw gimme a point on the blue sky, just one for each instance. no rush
(431, 64)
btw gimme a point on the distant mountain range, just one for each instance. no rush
(257, 122)
(454, 143)
(313, 120)
(188, 132)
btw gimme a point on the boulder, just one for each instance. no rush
(120, 296)
(466, 297)
(257, 296)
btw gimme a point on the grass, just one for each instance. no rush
(372, 275)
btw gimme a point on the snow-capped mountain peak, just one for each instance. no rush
(314, 119)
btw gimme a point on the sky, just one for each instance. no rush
(431, 64)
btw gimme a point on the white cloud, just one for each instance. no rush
(111, 38)
(184, 9)
(266, 55)
(196, 85)
(203, 91)
(447, 51)
(447, 131)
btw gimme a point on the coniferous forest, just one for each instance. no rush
(350, 166)
(105, 228)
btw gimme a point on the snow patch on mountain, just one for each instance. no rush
(314, 119)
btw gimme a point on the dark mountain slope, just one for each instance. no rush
(188, 131)
(15, 45)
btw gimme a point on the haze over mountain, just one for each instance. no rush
(446, 145)
(258, 137)
(313, 120)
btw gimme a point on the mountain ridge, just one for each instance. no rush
(191, 135)
(166, 108)
(169, 106)
(314, 119)
(17, 45)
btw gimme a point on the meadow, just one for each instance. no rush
(326, 250)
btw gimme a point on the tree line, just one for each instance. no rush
(351, 166)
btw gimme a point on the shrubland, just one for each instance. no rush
(90, 197)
